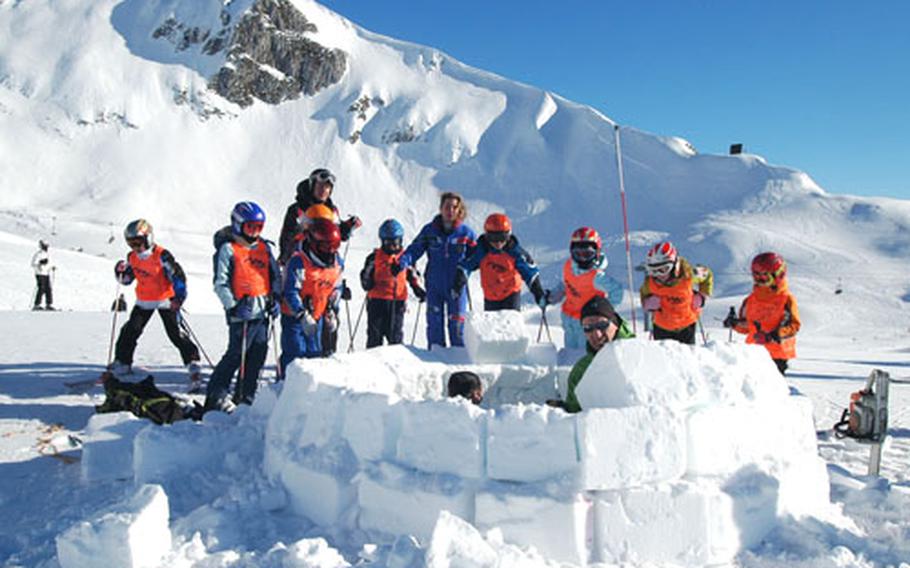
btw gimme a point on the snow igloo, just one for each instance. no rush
(681, 455)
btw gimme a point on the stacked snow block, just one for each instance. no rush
(133, 534)
(107, 451)
(496, 337)
(682, 455)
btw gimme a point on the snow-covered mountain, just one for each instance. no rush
(174, 110)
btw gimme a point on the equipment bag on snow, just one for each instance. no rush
(143, 399)
(867, 417)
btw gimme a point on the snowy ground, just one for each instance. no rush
(230, 517)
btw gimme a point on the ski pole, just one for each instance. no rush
(110, 346)
(357, 324)
(278, 372)
(701, 327)
(731, 315)
(625, 221)
(347, 312)
(546, 324)
(416, 321)
(242, 376)
(392, 310)
(185, 324)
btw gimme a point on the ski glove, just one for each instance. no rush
(762, 338)
(698, 300)
(731, 321)
(347, 226)
(651, 303)
(345, 291)
(176, 303)
(330, 321)
(461, 280)
(419, 292)
(395, 267)
(274, 306)
(307, 322)
(43, 261)
(123, 273)
(541, 296)
(244, 309)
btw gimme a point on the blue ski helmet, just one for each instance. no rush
(391, 229)
(244, 212)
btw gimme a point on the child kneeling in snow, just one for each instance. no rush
(769, 315)
(503, 265)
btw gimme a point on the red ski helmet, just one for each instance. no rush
(585, 245)
(768, 268)
(661, 259)
(325, 236)
(497, 223)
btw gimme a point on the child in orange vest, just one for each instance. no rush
(247, 283)
(310, 289)
(769, 315)
(584, 276)
(503, 265)
(161, 286)
(387, 294)
(669, 295)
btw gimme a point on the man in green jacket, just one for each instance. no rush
(601, 325)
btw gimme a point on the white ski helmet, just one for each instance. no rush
(661, 260)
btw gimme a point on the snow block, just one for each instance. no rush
(371, 426)
(518, 384)
(445, 436)
(107, 452)
(496, 337)
(684, 523)
(628, 447)
(721, 439)
(319, 487)
(531, 443)
(161, 452)
(639, 372)
(396, 501)
(133, 534)
(558, 526)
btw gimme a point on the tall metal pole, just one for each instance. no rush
(625, 221)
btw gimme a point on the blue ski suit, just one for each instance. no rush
(444, 250)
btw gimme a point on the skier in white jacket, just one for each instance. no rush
(41, 262)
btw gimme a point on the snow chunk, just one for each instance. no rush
(107, 452)
(134, 534)
(446, 436)
(558, 526)
(496, 337)
(628, 447)
(639, 372)
(371, 425)
(397, 501)
(531, 443)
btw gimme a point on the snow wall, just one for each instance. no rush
(682, 454)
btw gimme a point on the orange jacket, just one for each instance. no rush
(152, 283)
(498, 276)
(676, 310)
(386, 286)
(768, 310)
(251, 271)
(318, 284)
(579, 289)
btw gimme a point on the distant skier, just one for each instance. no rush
(769, 315)
(315, 190)
(446, 240)
(41, 263)
(247, 281)
(161, 286)
(503, 265)
(601, 325)
(387, 294)
(310, 289)
(668, 293)
(584, 276)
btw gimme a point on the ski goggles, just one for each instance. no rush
(584, 252)
(764, 278)
(498, 236)
(253, 227)
(136, 242)
(325, 177)
(391, 244)
(660, 270)
(599, 326)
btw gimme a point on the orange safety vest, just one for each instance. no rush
(251, 270)
(386, 286)
(318, 284)
(579, 289)
(152, 284)
(675, 304)
(498, 276)
(764, 310)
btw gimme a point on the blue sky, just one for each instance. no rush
(822, 86)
